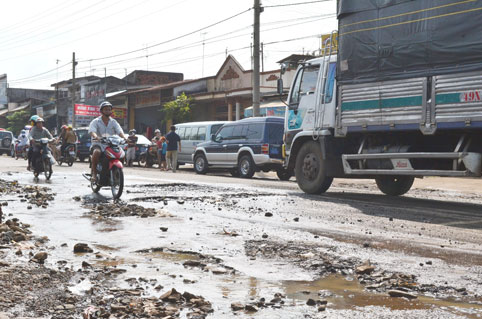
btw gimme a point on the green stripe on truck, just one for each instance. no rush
(384, 103)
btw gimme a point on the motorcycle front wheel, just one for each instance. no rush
(116, 182)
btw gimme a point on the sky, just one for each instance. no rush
(116, 37)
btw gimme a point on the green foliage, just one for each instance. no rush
(17, 121)
(179, 110)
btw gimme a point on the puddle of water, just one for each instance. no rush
(346, 294)
(172, 256)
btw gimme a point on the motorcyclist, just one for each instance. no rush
(102, 126)
(67, 137)
(37, 132)
(22, 139)
(32, 120)
(131, 147)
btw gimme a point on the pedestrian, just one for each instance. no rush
(173, 146)
(131, 147)
(161, 153)
(157, 136)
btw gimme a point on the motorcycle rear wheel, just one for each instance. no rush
(47, 168)
(117, 182)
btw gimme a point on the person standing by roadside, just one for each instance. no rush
(131, 147)
(161, 153)
(173, 146)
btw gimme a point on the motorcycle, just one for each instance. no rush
(42, 159)
(149, 156)
(21, 151)
(110, 168)
(68, 156)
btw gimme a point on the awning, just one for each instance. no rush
(111, 94)
(269, 108)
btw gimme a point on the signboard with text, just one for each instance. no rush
(94, 111)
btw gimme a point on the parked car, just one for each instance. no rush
(244, 147)
(141, 147)
(191, 135)
(83, 143)
(7, 142)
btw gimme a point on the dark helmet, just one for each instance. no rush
(104, 104)
(132, 132)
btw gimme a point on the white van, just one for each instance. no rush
(192, 134)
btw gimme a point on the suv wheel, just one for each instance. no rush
(246, 167)
(200, 164)
(284, 174)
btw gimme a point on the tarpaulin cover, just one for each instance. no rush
(396, 39)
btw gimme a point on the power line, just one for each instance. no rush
(295, 4)
(171, 40)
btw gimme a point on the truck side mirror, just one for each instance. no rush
(280, 86)
(213, 136)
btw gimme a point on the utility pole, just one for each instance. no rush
(262, 57)
(73, 88)
(256, 97)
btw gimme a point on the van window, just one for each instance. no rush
(180, 132)
(215, 128)
(239, 132)
(187, 133)
(275, 133)
(201, 134)
(225, 133)
(194, 136)
(254, 131)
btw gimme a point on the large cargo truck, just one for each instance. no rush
(401, 98)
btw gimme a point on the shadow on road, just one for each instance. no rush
(449, 213)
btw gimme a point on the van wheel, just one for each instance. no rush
(246, 166)
(394, 185)
(310, 169)
(200, 164)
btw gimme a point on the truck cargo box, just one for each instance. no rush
(381, 40)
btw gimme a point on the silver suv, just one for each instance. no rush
(6, 143)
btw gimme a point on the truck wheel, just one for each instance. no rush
(310, 170)
(200, 164)
(394, 185)
(246, 166)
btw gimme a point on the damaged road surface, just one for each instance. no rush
(189, 246)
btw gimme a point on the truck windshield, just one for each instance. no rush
(305, 83)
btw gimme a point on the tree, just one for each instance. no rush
(179, 110)
(17, 121)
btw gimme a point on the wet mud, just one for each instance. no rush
(208, 252)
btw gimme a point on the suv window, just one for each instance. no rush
(239, 132)
(254, 131)
(225, 133)
(275, 133)
(82, 134)
(215, 128)
(5, 134)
